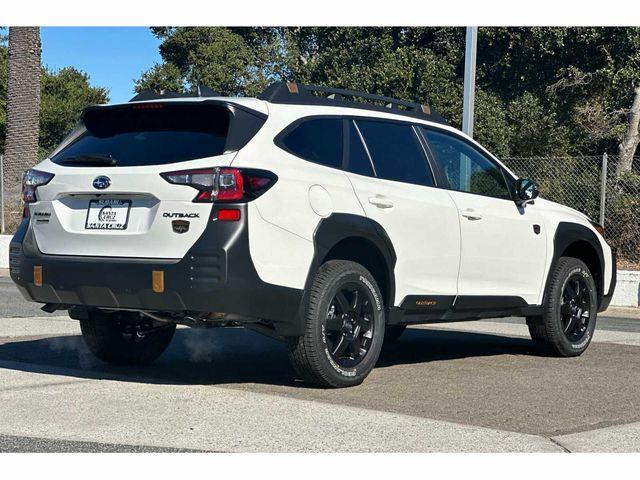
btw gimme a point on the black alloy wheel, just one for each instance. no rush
(349, 325)
(569, 311)
(575, 308)
(344, 327)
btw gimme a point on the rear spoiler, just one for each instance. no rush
(243, 125)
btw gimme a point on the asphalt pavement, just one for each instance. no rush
(466, 386)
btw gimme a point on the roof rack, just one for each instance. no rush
(149, 94)
(297, 93)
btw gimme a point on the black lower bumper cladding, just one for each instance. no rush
(216, 275)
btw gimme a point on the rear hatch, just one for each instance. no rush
(108, 199)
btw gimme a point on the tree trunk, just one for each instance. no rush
(631, 139)
(23, 104)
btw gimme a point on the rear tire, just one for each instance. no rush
(568, 321)
(344, 327)
(124, 338)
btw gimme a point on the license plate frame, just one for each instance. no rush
(106, 217)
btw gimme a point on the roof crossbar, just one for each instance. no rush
(149, 94)
(297, 93)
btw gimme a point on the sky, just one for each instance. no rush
(113, 57)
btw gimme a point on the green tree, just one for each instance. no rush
(582, 78)
(540, 90)
(65, 94)
(534, 129)
(232, 61)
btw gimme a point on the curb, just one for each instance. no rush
(627, 293)
(4, 251)
(621, 312)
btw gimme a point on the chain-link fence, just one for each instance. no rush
(593, 186)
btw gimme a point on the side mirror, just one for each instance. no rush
(526, 191)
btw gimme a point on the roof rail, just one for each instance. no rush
(297, 93)
(149, 94)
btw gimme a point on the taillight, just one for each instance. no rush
(223, 184)
(31, 180)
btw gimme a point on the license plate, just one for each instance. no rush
(108, 214)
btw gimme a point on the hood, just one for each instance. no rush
(564, 210)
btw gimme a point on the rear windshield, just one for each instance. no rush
(148, 134)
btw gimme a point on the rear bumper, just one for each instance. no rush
(216, 275)
(606, 299)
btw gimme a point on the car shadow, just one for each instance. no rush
(235, 355)
(424, 345)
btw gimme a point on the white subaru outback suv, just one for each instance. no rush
(304, 214)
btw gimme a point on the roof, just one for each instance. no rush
(291, 93)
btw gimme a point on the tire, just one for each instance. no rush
(393, 332)
(341, 344)
(568, 321)
(124, 338)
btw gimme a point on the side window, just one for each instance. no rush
(466, 168)
(396, 152)
(317, 140)
(359, 161)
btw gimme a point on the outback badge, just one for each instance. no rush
(180, 226)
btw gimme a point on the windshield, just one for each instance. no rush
(148, 134)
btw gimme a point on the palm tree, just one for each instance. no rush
(23, 104)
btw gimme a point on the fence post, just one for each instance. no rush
(603, 187)
(1, 193)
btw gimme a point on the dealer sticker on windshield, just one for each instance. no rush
(108, 214)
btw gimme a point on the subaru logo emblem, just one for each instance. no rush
(101, 182)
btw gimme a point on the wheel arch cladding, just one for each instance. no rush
(344, 236)
(577, 241)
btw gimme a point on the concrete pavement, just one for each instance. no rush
(232, 390)
(468, 386)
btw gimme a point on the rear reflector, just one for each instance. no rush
(37, 275)
(157, 281)
(229, 215)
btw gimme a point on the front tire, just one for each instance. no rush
(569, 311)
(125, 338)
(344, 327)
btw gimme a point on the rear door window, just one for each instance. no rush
(359, 161)
(148, 134)
(396, 152)
(317, 140)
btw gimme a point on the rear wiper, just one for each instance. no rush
(90, 159)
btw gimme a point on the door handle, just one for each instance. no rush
(471, 214)
(380, 202)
